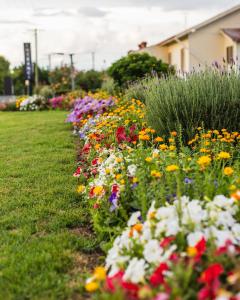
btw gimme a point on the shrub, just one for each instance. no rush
(135, 66)
(211, 98)
(109, 86)
(90, 80)
(136, 91)
(46, 91)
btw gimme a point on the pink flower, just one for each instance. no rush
(162, 296)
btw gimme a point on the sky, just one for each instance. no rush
(107, 28)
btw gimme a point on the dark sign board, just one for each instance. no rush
(28, 61)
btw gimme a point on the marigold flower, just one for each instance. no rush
(174, 133)
(155, 173)
(172, 168)
(223, 155)
(158, 139)
(98, 190)
(163, 147)
(144, 137)
(136, 227)
(99, 273)
(204, 161)
(236, 195)
(91, 286)
(228, 171)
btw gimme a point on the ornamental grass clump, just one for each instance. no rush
(211, 97)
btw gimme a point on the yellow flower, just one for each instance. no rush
(91, 286)
(80, 189)
(118, 176)
(172, 148)
(156, 174)
(204, 160)
(158, 139)
(97, 146)
(223, 155)
(134, 180)
(119, 159)
(144, 137)
(172, 168)
(163, 147)
(228, 171)
(191, 251)
(98, 190)
(148, 159)
(99, 273)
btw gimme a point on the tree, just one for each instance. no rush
(90, 80)
(4, 71)
(18, 76)
(60, 79)
(135, 66)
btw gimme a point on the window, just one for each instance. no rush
(230, 55)
(182, 59)
(169, 58)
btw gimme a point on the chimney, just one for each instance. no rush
(142, 45)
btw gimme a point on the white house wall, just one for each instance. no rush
(208, 44)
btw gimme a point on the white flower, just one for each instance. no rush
(135, 271)
(152, 252)
(236, 231)
(134, 219)
(194, 237)
(132, 170)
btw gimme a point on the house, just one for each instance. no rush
(215, 40)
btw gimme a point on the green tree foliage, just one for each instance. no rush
(135, 66)
(60, 79)
(19, 79)
(89, 80)
(4, 71)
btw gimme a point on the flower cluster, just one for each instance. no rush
(35, 102)
(88, 106)
(187, 240)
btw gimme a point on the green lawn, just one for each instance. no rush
(44, 242)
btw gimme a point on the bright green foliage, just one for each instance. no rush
(39, 206)
(211, 98)
(135, 66)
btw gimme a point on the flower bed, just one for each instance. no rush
(124, 167)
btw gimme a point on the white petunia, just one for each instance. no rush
(152, 252)
(134, 219)
(135, 271)
(132, 170)
(194, 237)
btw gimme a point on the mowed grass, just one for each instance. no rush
(39, 209)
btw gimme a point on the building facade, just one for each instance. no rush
(215, 40)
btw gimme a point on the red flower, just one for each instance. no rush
(157, 277)
(224, 249)
(201, 248)
(77, 172)
(95, 161)
(167, 241)
(86, 148)
(121, 135)
(91, 193)
(210, 277)
(115, 282)
(211, 273)
(115, 188)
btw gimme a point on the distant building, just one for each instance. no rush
(215, 40)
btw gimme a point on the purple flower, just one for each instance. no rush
(188, 180)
